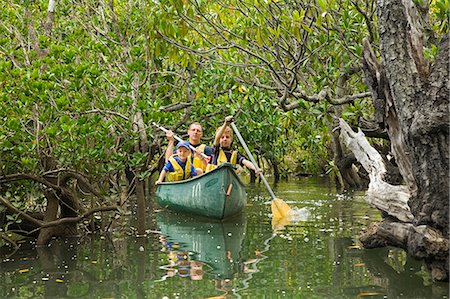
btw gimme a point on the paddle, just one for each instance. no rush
(279, 207)
(181, 140)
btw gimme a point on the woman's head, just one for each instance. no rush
(227, 137)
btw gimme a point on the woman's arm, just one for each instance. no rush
(219, 133)
(251, 166)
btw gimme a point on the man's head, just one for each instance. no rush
(183, 150)
(195, 133)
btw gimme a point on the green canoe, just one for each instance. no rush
(215, 243)
(217, 194)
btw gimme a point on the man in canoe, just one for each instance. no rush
(223, 152)
(179, 166)
(195, 133)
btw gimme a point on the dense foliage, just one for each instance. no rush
(81, 85)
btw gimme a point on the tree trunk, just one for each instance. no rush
(276, 171)
(421, 102)
(140, 196)
(348, 177)
(414, 107)
(50, 17)
(143, 147)
(396, 229)
(252, 177)
(51, 214)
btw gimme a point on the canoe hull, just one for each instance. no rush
(218, 194)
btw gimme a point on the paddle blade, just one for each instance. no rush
(279, 208)
(279, 223)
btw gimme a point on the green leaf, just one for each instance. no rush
(258, 37)
(296, 16)
(322, 4)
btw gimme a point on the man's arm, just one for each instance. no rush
(202, 159)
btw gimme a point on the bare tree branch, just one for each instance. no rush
(99, 111)
(79, 218)
(24, 176)
(22, 214)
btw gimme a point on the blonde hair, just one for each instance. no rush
(195, 124)
(226, 130)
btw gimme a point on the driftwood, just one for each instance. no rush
(397, 228)
(391, 199)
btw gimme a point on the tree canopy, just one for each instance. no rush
(82, 81)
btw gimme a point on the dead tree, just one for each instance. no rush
(413, 99)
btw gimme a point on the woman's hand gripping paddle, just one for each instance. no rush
(279, 208)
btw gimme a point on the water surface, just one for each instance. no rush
(317, 256)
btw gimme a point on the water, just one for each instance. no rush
(316, 256)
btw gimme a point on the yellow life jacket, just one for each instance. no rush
(179, 174)
(223, 159)
(197, 162)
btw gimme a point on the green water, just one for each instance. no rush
(317, 256)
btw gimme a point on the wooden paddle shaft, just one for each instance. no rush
(241, 140)
(179, 139)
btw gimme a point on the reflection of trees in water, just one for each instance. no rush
(385, 270)
(250, 266)
(394, 281)
(122, 269)
(67, 268)
(50, 271)
(226, 287)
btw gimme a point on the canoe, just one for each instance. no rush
(215, 243)
(217, 194)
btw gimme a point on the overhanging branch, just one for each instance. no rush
(79, 218)
(22, 214)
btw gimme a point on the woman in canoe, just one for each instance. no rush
(223, 152)
(179, 166)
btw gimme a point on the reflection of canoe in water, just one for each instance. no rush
(217, 194)
(216, 244)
